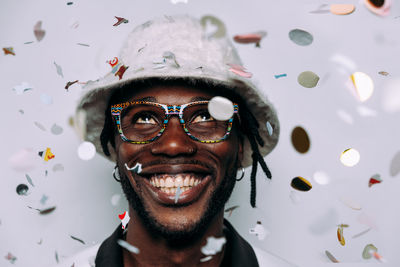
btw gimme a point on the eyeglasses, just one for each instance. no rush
(141, 122)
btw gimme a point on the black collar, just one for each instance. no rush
(238, 252)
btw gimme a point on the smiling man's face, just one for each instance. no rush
(207, 171)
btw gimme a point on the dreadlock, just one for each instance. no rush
(249, 125)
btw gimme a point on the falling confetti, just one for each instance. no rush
(40, 241)
(22, 189)
(342, 9)
(124, 217)
(115, 199)
(135, 169)
(128, 246)
(269, 128)
(29, 179)
(280, 75)
(231, 209)
(81, 44)
(395, 165)
(331, 257)
(383, 73)
(22, 88)
(363, 84)
(259, 231)
(378, 7)
(44, 199)
(340, 235)
(368, 250)
(56, 129)
(375, 179)
(47, 211)
(46, 99)
(206, 259)
(38, 31)
(220, 108)
(117, 67)
(350, 203)
(86, 150)
(171, 56)
(46, 155)
(120, 20)
(322, 9)
(213, 27)
(301, 184)
(69, 84)
(58, 167)
(321, 178)
(69, 3)
(56, 256)
(308, 79)
(350, 157)
(362, 233)
(179, 1)
(300, 140)
(345, 116)
(77, 239)
(10, 257)
(177, 194)
(28, 42)
(250, 38)
(301, 37)
(8, 51)
(59, 69)
(239, 70)
(213, 246)
(40, 126)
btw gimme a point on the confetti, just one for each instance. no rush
(308, 79)
(115, 199)
(362, 233)
(40, 241)
(47, 211)
(178, 193)
(21, 111)
(124, 217)
(46, 99)
(350, 203)
(171, 56)
(322, 9)
(350, 157)
(179, 1)
(375, 179)
(86, 150)
(213, 246)
(58, 167)
(69, 3)
(363, 84)
(28, 42)
(383, 73)
(239, 70)
(331, 257)
(69, 84)
(395, 165)
(321, 178)
(378, 7)
(44, 199)
(213, 27)
(120, 20)
(269, 128)
(368, 250)
(81, 44)
(22, 189)
(77, 239)
(259, 231)
(38, 31)
(59, 69)
(301, 37)
(206, 259)
(346, 117)
(28, 178)
(301, 184)
(56, 129)
(22, 88)
(23, 160)
(220, 108)
(250, 38)
(340, 236)
(300, 140)
(128, 246)
(231, 209)
(117, 67)
(342, 9)
(135, 169)
(46, 155)
(280, 75)
(40, 126)
(56, 255)
(8, 51)
(10, 257)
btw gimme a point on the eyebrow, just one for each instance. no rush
(153, 99)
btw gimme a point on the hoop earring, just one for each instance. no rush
(114, 173)
(241, 176)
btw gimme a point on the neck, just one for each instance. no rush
(157, 251)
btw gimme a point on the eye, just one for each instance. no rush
(202, 117)
(144, 119)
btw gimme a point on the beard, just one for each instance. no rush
(179, 238)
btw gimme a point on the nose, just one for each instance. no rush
(174, 141)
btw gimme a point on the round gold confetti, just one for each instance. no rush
(301, 184)
(350, 157)
(363, 84)
(300, 140)
(308, 79)
(367, 252)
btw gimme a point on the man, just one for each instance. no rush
(179, 117)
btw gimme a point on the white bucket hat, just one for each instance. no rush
(177, 47)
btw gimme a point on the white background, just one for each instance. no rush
(299, 231)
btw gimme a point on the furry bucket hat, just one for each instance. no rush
(177, 47)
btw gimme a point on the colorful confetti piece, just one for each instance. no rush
(308, 79)
(29, 179)
(59, 69)
(300, 140)
(301, 184)
(250, 38)
(77, 239)
(331, 257)
(220, 108)
(22, 88)
(340, 236)
(46, 155)
(128, 246)
(124, 217)
(363, 84)
(239, 70)
(375, 179)
(342, 9)
(280, 75)
(22, 189)
(120, 21)
(213, 246)
(259, 231)
(213, 27)
(300, 37)
(8, 51)
(38, 31)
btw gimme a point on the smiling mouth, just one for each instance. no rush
(169, 183)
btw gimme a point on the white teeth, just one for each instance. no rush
(157, 182)
(169, 182)
(162, 183)
(191, 182)
(178, 181)
(186, 181)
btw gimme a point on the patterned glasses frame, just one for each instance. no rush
(169, 110)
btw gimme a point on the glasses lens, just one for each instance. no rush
(142, 122)
(202, 125)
